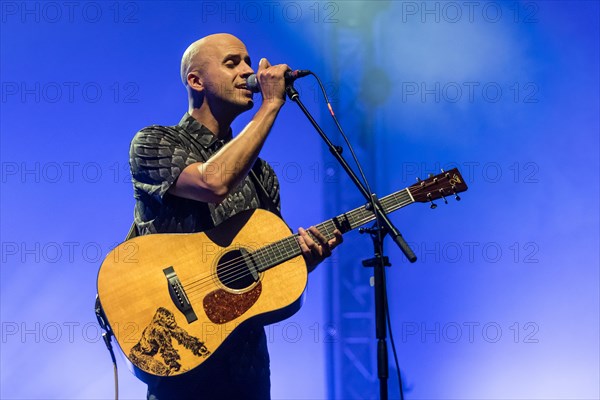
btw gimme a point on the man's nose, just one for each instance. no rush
(247, 71)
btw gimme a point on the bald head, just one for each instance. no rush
(198, 53)
(214, 70)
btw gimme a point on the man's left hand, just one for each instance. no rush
(315, 251)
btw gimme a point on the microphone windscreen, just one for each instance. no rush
(252, 84)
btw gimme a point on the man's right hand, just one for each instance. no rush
(272, 81)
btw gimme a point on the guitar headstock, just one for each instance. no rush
(448, 183)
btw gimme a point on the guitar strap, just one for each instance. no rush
(133, 232)
(265, 199)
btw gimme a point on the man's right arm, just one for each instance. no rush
(212, 180)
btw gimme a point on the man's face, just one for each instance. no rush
(224, 73)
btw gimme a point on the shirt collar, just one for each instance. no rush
(200, 132)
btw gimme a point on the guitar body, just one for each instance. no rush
(173, 299)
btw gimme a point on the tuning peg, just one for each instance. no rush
(443, 197)
(430, 176)
(433, 206)
(456, 196)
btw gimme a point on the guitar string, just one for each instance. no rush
(236, 262)
(231, 267)
(231, 270)
(240, 273)
(237, 273)
(234, 272)
(280, 246)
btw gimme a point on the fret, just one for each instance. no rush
(279, 249)
(292, 247)
(327, 228)
(324, 230)
(261, 257)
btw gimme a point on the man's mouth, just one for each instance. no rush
(245, 88)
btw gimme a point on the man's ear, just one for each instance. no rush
(195, 82)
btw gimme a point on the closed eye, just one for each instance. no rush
(232, 60)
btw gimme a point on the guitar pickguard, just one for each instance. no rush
(222, 306)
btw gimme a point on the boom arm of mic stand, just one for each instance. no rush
(379, 211)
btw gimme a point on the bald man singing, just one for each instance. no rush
(193, 176)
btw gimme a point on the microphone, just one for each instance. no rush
(290, 76)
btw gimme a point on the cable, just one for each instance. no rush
(116, 374)
(390, 330)
(108, 333)
(360, 170)
(106, 336)
(379, 231)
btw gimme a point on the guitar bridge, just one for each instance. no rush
(178, 295)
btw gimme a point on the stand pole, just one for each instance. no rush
(378, 262)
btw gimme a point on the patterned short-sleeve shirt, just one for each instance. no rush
(158, 154)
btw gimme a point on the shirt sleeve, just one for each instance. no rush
(156, 158)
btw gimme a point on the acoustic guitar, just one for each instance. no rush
(173, 299)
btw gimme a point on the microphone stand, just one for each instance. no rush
(379, 261)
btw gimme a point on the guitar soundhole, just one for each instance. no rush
(235, 271)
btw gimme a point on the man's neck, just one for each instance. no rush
(219, 128)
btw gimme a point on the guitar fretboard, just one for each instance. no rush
(288, 248)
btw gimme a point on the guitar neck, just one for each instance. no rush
(361, 215)
(288, 248)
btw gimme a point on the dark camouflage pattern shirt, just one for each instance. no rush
(158, 154)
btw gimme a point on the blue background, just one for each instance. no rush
(504, 299)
